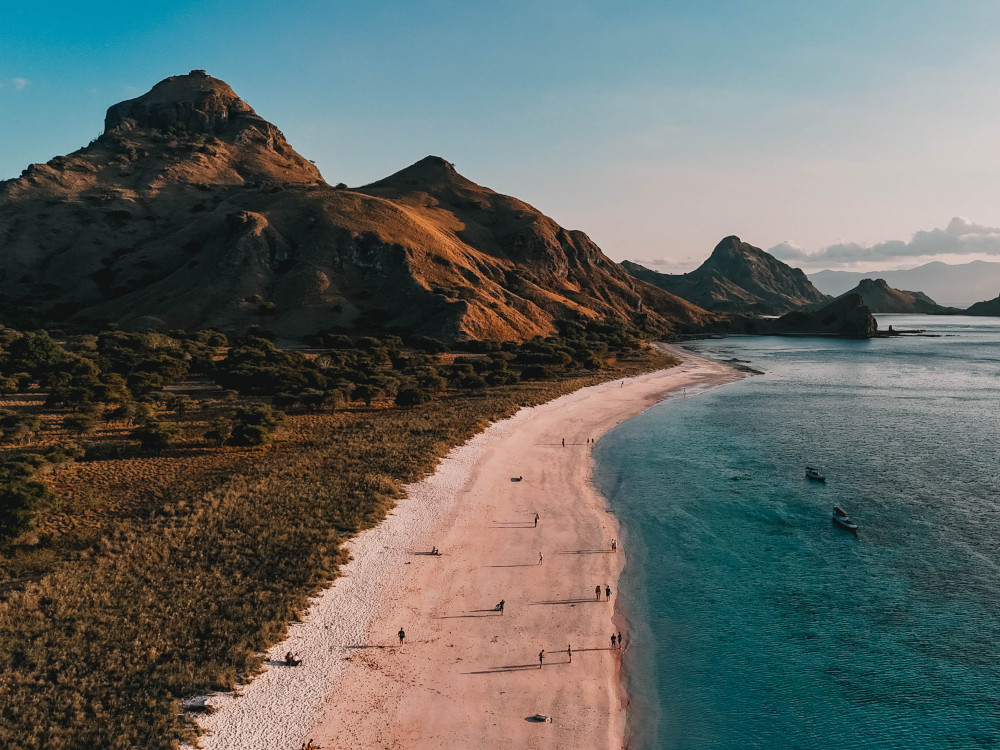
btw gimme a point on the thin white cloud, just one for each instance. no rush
(961, 237)
(20, 83)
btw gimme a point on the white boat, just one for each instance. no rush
(812, 473)
(840, 518)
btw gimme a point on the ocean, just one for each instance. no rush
(753, 620)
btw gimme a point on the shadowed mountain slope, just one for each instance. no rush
(881, 297)
(988, 307)
(738, 277)
(192, 211)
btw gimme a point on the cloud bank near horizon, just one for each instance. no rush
(961, 237)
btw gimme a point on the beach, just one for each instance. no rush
(467, 675)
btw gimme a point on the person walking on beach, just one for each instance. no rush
(500, 606)
(540, 558)
(536, 520)
(401, 635)
(607, 592)
(614, 545)
(541, 658)
(564, 442)
(569, 650)
(612, 641)
(597, 591)
(620, 641)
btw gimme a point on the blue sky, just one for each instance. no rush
(655, 127)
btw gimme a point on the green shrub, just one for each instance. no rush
(155, 435)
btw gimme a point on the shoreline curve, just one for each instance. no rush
(468, 676)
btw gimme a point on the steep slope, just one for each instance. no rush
(881, 297)
(738, 277)
(520, 262)
(989, 307)
(192, 211)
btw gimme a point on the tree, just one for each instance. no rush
(410, 397)
(155, 436)
(253, 425)
(220, 431)
(20, 495)
(366, 393)
(430, 345)
(180, 403)
(316, 400)
(125, 412)
(80, 423)
(535, 372)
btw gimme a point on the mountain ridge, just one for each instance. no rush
(952, 285)
(882, 298)
(738, 278)
(192, 211)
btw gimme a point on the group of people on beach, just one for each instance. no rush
(607, 592)
(310, 745)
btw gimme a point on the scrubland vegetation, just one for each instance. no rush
(168, 503)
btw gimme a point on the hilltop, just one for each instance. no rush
(192, 211)
(990, 307)
(881, 297)
(957, 285)
(738, 278)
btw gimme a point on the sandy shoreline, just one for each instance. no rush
(468, 676)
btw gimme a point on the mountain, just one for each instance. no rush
(192, 211)
(738, 277)
(846, 316)
(954, 285)
(989, 307)
(881, 297)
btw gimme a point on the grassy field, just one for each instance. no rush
(162, 578)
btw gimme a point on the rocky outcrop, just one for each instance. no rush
(740, 278)
(195, 102)
(882, 298)
(846, 317)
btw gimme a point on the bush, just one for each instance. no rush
(20, 495)
(80, 423)
(430, 345)
(220, 431)
(155, 436)
(410, 397)
(536, 372)
(253, 425)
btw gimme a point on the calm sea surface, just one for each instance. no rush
(758, 623)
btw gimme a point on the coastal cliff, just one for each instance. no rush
(847, 317)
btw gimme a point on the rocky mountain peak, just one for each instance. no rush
(196, 102)
(428, 173)
(729, 246)
(872, 284)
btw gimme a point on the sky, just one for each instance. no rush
(836, 134)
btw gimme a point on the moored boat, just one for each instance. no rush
(812, 473)
(841, 519)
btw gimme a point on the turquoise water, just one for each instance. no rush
(758, 623)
